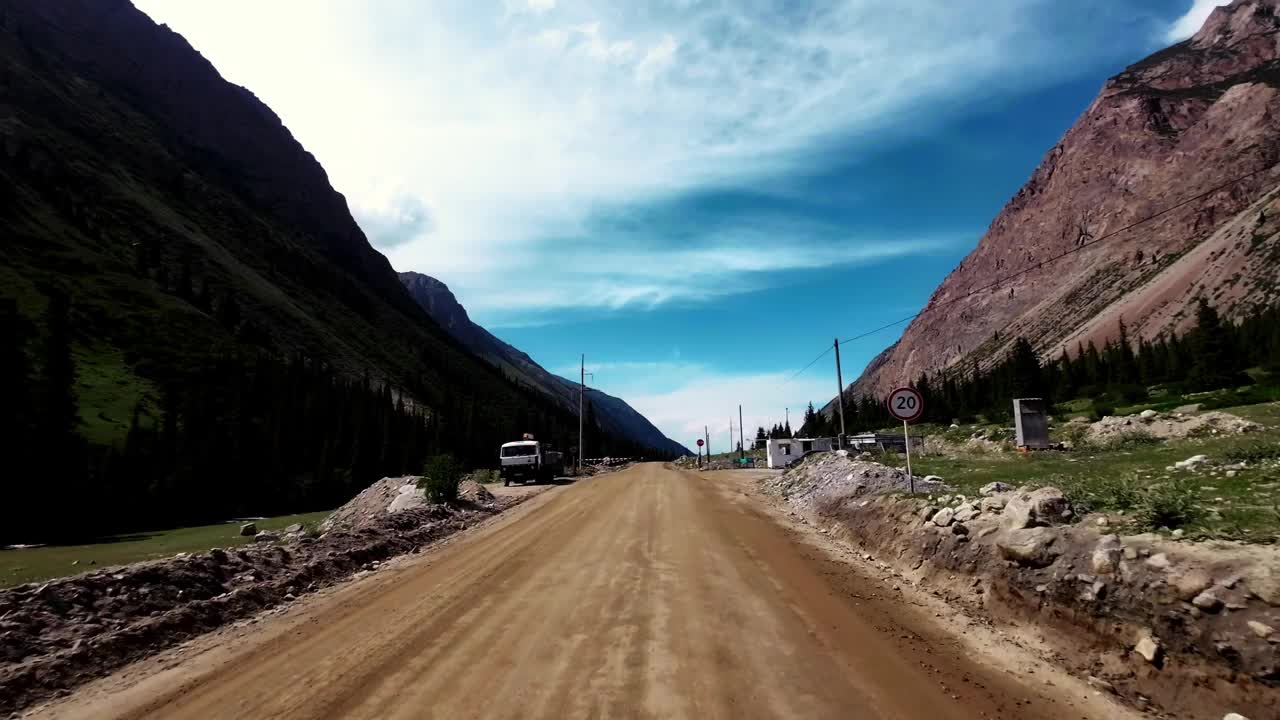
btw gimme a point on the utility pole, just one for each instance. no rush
(840, 396)
(730, 433)
(788, 418)
(742, 450)
(582, 382)
(707, 432)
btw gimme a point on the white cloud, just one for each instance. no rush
(516, 121)
(1187, 25)
(710, 399)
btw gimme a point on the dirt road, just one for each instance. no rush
(647, 593)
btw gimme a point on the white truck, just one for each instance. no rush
(528, 459)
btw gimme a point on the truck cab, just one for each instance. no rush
(528, 459)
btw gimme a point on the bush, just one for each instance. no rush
(442, 475)
(1252, 453)
(1102, 408)
(1126, 440)
(1170, 505)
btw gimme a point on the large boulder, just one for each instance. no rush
(1045, 506)
(407, 498)
(944, 517)
(1030, 547)
(995, 487)
(1106, 555)
(248, 529)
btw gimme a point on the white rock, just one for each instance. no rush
(1159, 561)
(1207, 601)
(1262, 630)
(1147, 414)
(995, 487)
(1106, 555)
(1148, 647)
(944, 517)
(1234, 716)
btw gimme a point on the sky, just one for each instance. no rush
(698, 195)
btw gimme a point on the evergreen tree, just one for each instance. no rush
(1214, 365)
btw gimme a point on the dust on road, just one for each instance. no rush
(645, 593)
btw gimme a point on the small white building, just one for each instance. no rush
(784, 451)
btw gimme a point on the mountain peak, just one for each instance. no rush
(1238, 21)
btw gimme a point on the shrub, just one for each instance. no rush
(1126, 440)
(1170, 505)
(442, 475)
(1253, 453)
(1102, 408)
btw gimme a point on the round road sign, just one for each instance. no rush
(905, 404)
(699, 443)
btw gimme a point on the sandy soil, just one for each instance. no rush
(646, 593)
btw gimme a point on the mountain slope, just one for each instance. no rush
(187, 224)
(614, 414)
(1162, 191)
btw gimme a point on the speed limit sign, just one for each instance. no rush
(905, 404)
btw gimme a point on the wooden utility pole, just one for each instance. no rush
(706, 431)
(742, 450)
(840, 395)
(582, 382)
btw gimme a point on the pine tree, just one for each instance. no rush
(1214, 365)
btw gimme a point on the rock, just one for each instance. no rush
(1159, 561)
(1262, 630)
(292, 529)
(265, 537)
(1100, 684)
(1177, 534)
(995, 487)
(992, 504)
(1045, 506)
(1130, 553)
(1148, 647)
(1234, 716)
(1147, 414)
(944, 517)
(1264, 584)
(407, 500)
(1208, 601)
(75, 562)
(1106, 555)
(927, 513)
(966, 512)
(933, 479)
(1191, 583)
(1031, 547)
(1191, 463)
(960, 529)
(248, 529)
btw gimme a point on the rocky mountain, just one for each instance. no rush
(186, 224)
(1164, 190)
(614, 414)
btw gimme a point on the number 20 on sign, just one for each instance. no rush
(906, 405)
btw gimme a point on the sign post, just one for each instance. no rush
(700, 453)
(906, 405)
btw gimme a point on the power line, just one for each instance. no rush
(806, 367)
(1040, 264)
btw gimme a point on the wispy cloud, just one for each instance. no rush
(711, 399)
(517, 122)
(1187, 25)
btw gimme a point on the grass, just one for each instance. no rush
(1129, 475)
(43, 563)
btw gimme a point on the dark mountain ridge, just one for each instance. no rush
(613, 414)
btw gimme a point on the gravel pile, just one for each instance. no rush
(1172, 425)
(56, 635)
(823, 478)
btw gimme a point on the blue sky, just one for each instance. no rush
(698, 195)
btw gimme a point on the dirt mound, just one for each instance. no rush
(59, 634)
(1142, 616)
(1171, 425)
(823, 477)
(472, 491)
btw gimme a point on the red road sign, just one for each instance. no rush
(905, 404)
(699, 443)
